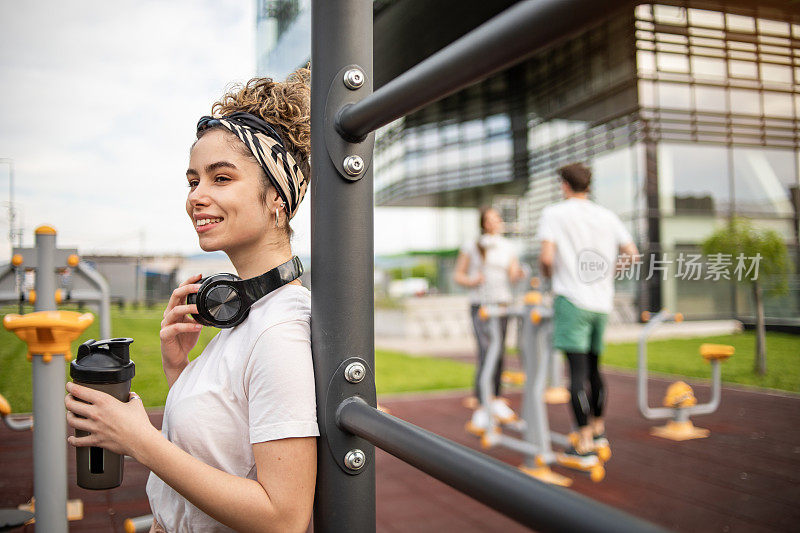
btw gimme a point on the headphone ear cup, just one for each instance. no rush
(191, 298)
(219, 302)
(236, 321)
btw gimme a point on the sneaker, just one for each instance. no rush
(503, 412)
(571, 458)
(573, 452)
(480, 422)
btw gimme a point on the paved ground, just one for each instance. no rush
(745, 477)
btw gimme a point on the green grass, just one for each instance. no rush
(682, 357)
(396, 372)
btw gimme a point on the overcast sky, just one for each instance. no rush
(98, 103)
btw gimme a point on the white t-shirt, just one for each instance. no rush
(496, 287)
(252, 383)
(587, 238)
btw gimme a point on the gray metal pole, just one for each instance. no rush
(502, 42)
(506, 489)
(50, 425)
(341, 267)
(104, 299)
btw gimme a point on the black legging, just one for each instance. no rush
(582, 368)
(482, 336)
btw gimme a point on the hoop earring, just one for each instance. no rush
(277, 213)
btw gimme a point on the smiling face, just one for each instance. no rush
(226, 202)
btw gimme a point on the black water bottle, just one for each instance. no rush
(105, 366)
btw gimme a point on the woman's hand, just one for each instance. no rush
(179, 331)
(119, 427)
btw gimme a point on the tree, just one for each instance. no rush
(768, 258)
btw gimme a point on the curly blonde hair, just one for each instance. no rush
(285, 105)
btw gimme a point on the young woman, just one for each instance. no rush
(488, 267)
(237, 448)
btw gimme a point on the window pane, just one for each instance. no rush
(776, 73)
(669, 15)
(694, 179)
(614, 181)
(643, 12)
(773, 27)
(673, 62)
(778, 104)
(763, 181)
(646, 97)
(701, 17)
(739, 23)
(743, 69)
(674, 96)
(645, 61)
(710, 99)
(746, 102)
(708, 68)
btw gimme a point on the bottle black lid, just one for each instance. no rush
(105, 361)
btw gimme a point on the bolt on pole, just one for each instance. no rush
(341, 263)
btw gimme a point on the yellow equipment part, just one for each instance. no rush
(470, 402)
(45, 230)
(591, 465)
(544, 473)
(5, 407)
(533, 298)
(720, 352)
(679, 431)
(473, 429)
(48, 333)
(604, 453)
(679, 395)
(513, 377)
(556, 395)
(74, 509)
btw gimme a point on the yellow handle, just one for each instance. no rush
(48, 333)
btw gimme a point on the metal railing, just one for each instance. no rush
(345, 113)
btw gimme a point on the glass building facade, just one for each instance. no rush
(687, 114)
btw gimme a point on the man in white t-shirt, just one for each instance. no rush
(580, 244)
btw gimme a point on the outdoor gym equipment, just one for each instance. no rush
(71, 280)
(48, 334)
(537, 437)
(679, 401)
(556, 392)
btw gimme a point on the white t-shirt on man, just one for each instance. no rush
(499, 253)
(252, 383)
(587, 238)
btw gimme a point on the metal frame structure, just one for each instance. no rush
(676, 414)
(346, 112)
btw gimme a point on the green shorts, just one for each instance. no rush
(576, 330)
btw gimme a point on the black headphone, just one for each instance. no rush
(224, 300)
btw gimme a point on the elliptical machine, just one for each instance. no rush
(535, 348)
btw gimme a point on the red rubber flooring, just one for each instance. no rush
(745, 477)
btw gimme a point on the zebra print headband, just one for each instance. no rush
(267, 147)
